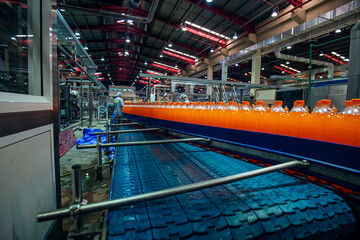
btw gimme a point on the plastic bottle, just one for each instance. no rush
(232, 114)
(334, 109)
(218, 115)
(348, 108)
(278, 107)
(278, 118)
(260, 106)
(296, 119)
(245, 106)
(286, 109)
(355, 106)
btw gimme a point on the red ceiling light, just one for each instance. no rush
(285, 70)
(186, 59)
(334, 59)
(152, 80)
(202, 34)
(165, 68)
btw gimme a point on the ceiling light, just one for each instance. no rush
(161, 55)
(170, 44)
(288, 47)
(102, 59)
(321, 54)
(207, 30)
(108, 74)
(77, 33)
(205, 76)
(235, 36)
(86, 47)
(212, 49)
(236, 64)
(127, 39)
(13, 38)
(334, 53)
(346, 60)
(176, 66)
(184, 28)
(283, 72)
(126, 52)
(274, 13)
(62, 10)
(262, 69)
(338, 31)
(145, 62)
(287, 63)
(209, 1)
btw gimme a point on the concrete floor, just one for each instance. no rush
(93, 190)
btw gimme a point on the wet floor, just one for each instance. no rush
(93, 189)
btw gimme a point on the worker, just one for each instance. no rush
(183, 98)
(118, 104)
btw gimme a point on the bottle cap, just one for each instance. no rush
(347, 103)
(278, 103)
(260, 103)
(355, 101)
(326, 101)
(245, 103)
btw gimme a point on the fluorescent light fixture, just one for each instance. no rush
(288, 47)
(338, 31)
(62, 10)
(206, 30)
(181, 53)
(127, 39)
(13, 38)
(346, 60)
(235, 36)
(274, 13)
(131, 22)
(209, 1)
(334, 53)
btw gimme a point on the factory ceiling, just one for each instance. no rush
(123, 48)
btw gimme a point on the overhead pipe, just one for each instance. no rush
(101, 13)
(329, 65)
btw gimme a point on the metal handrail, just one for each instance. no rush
(141, 143)
(127, 131)
(122, 124)
(93, 207)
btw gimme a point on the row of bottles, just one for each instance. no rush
(322, 124)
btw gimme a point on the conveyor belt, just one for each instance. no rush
(272, 206)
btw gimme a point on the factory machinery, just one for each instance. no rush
(177, 180)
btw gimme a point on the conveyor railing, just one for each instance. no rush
(76, 209)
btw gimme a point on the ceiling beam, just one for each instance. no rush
(232, 17)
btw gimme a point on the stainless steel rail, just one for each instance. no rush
(123, 124)
(127, 131)
(142, 143)
(93, 207)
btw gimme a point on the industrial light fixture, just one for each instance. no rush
(338, 31)
(236, 64)
(62, 10)
(212, 49)
(287, 63)
(170, 44)
(274, 13)
(184, 27)
(86, 47)
(321, 54)
(209, 1)
(288, 47)
(77, 33)
(145, 62)
(235, 36)
(283, 72)
(161, 55)
(108, 74)
(127, 39)
(176, 66)
(126, 53)
(262, 69)
(102, 59)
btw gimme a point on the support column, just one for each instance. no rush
(255, 69)
(210, 71)
(224, 71)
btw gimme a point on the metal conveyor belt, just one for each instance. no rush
(271, 206)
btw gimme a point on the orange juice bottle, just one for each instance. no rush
(278, 119)
(296, 116)
(286, 109)
(258, 116)
(243, 120)
(219, 113)
(232, 114)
